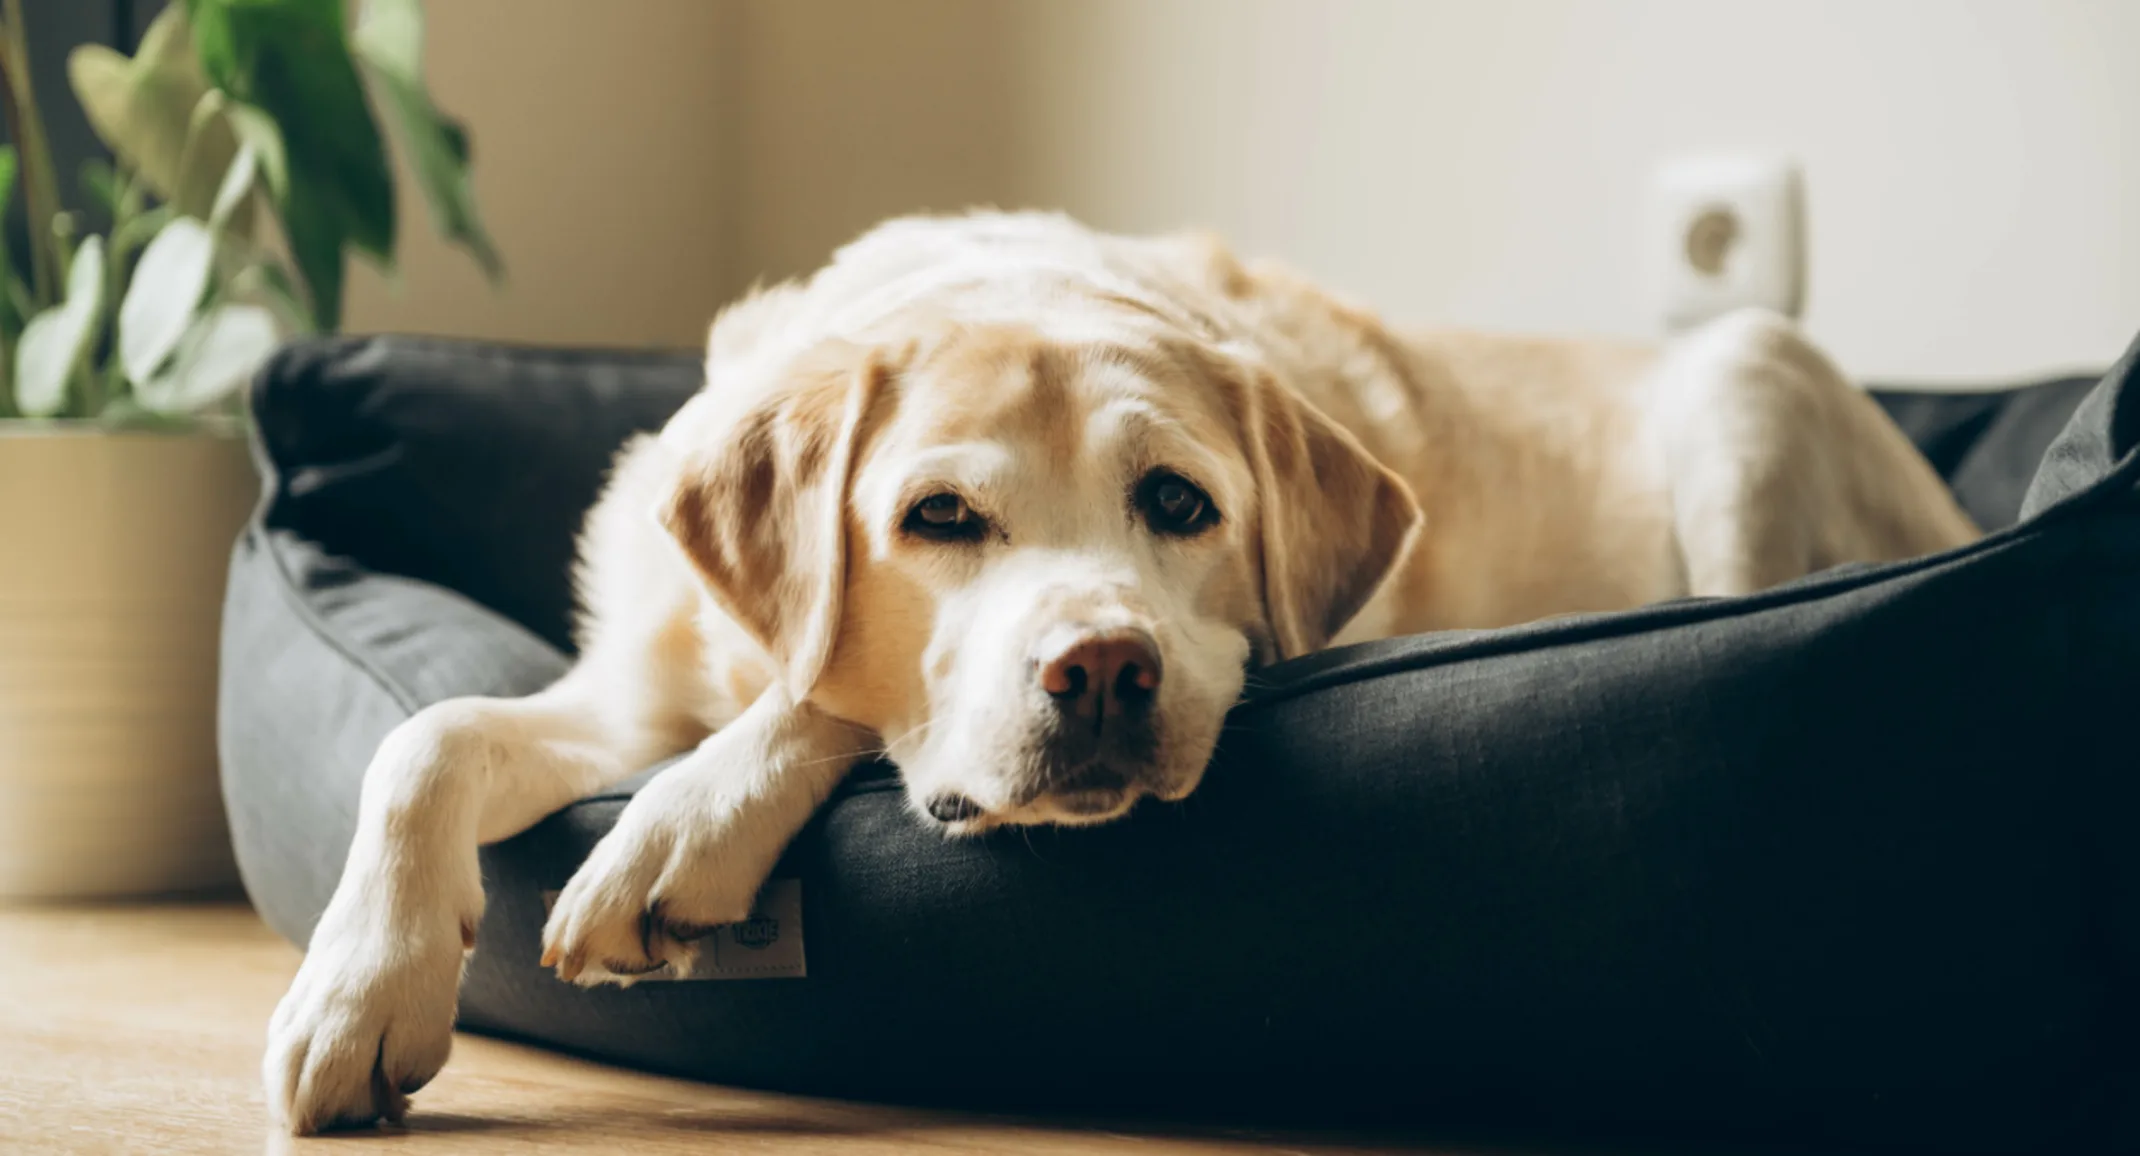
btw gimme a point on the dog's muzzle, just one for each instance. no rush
(1096, 694)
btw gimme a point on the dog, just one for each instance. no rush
(1019, 505)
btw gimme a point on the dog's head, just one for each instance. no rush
(1039, 568)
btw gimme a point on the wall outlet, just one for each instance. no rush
(1726, 231)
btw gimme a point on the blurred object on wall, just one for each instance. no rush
(1725, 232)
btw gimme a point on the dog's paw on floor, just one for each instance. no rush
(368, 1020)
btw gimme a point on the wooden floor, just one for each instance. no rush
(137, 1029)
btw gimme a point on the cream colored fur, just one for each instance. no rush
(757, 596)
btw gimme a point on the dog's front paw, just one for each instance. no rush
(668, 874)
(368, 1020)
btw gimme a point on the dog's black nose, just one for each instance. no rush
(953, 808)
(1100, 676)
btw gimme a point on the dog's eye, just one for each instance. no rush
(945, 517)
(1173, 505)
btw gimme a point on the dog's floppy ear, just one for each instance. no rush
(761, 511)
(1335, 522)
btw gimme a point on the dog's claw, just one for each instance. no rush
(387, 1099)
(354, 996)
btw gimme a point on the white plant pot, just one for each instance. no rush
(114, 548)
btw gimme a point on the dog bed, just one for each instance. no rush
(1848, 862)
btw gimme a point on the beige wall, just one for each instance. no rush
(847, 111)
(598, 162)
(1973, 167)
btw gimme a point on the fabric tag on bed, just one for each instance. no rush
(768, 945)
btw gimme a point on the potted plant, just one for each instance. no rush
(247, 165)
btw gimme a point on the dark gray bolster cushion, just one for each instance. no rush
(1850, 862)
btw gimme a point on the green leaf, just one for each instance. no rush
(219, 352)
(268, 283)
(291, 60)
(237, 185)
(102, 185)
(260, 133)
(19, 298)
(140, 230)
(56, 341)
(143, 109)
(168, 283)
(10, 319)
(314, 241)
(389, 42)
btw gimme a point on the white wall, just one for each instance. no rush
(1973, 168)
(1973, 165)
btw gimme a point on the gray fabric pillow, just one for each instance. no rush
(1846, 862)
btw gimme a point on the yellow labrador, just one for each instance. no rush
(1018, 504)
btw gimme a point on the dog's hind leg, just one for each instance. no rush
(369, 1017)
(1779, 467)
